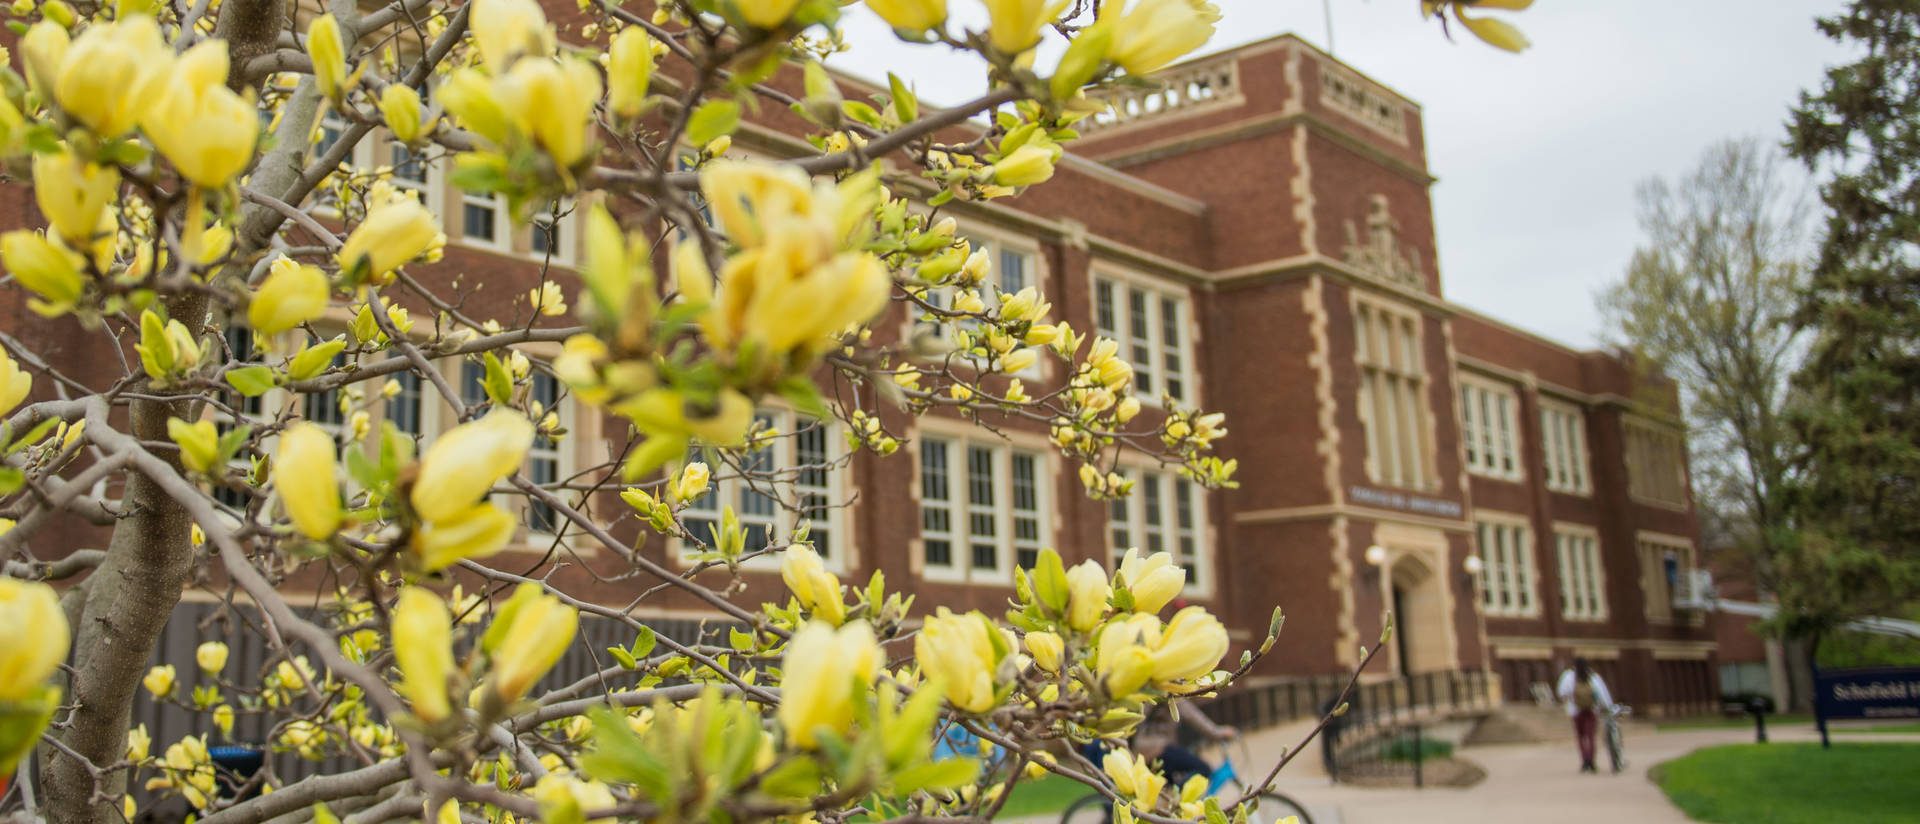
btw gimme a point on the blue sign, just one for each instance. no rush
(1884, 692)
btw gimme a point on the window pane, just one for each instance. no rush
(477, 221)
(1013, 270)
(403, 409)
(936, 519)
(473, 383)
(1103, 307)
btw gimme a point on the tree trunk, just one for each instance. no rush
(128, 601)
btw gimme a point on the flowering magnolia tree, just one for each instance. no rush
(203, 225)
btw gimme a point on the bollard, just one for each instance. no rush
(1757, 707)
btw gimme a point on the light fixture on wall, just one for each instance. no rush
(1473, 566)
(1376, 555)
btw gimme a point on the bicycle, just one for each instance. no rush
(1616, 740)
(1270, 807)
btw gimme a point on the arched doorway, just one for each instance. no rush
(1422, 632)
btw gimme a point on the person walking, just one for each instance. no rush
(1585, 694)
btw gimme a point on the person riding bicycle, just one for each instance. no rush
(1586, 697)
(1157, 740)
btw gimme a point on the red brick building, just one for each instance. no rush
(1259, 237)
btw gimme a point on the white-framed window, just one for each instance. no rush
(983, 508)
(550, 233)
(796, 465)
(1164, 512)
(1015, 266)
(1489, 425)
(1151, 322)
(1583, 595)
(1393, 395)
(1507, 584)
(407, 409)
(1655, 473)
(1563, 441)
(323, 408)
(544, 456)
(1666, 567)
(483, 220)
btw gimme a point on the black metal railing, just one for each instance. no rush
(1383, 733)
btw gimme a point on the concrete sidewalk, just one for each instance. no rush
(1526, 783)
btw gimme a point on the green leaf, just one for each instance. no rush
(362, 469)
(936, 775)
(314, 359)
(905, 104)
(499, 384)
(625, 658)
(941, 198)
(619, 755)
(643, 643)
(800, 391)
(251, 381)
(712, 120)
(795, 778)
(11, 480)
(33, 435)
(863, 113)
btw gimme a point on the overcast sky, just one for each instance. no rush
(1537, 154)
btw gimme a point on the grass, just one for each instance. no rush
(1049, 794)
(1855, 782)
(1402, 750)
(1709, 722)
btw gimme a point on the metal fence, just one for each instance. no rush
(1383, 732)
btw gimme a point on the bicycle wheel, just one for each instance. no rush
(1616, 746)
(1275, 808)
(1089, 809)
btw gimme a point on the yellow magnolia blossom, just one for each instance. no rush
(552, 102)
(459, 468)
(197, 122)
(73, 194)
(629, 71)
(1016, 24)
(211, 656)
(547, 299)
(963, 653)
(1088, 591)
(107, 76)
(1134, 778)
(44, 49)
(823, 672)
(766, 14)
(477, 531)
(527, 638)
(45, 268)
(691, 483)
(912, 16)
(15, 384)
(1125, 653)
(1027, 165)
(796, 279)
(400, 107)
(1193, 644)
(423, 650)
(292, 294)
(139, 744)
(506, 29)
(33, 637)
(223, 717)
(397, 230)
(166, 348)
(1497, 33)
(159, 681)
(468, 95)
(1046, 649)
(329, 56)
(1149, 34)
(304, 469)
(564, 798)
(199, 444)
(1154, 580)
(817, 589)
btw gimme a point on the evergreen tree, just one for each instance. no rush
(1856, 407)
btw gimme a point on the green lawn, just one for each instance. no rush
(1049, 794)
(1706, 722)
(1858, 783)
